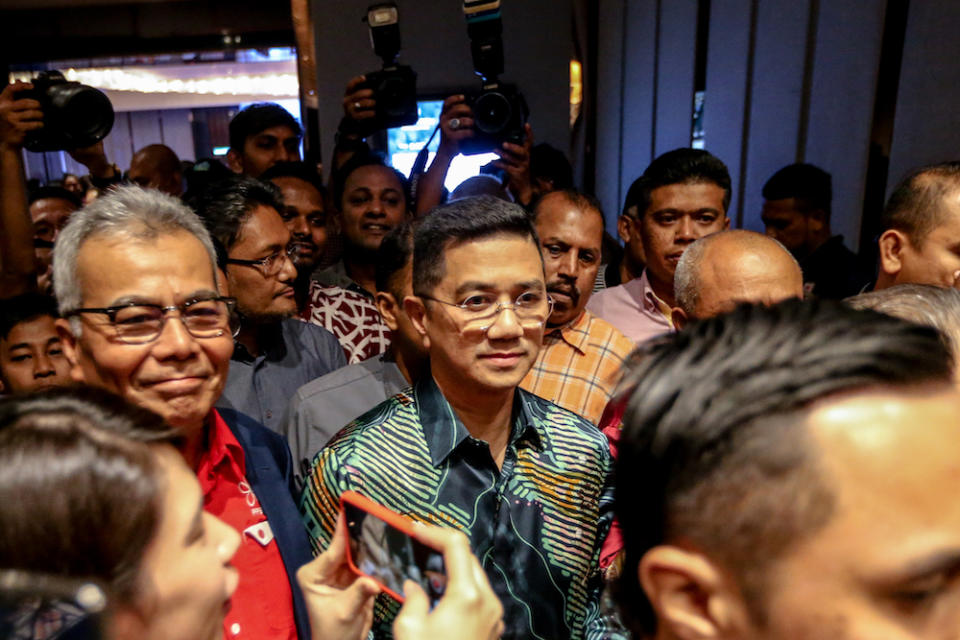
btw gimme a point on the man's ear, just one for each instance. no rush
(234, 161)
(70, 348)
(417, 312)
(726, 222)
(389, 309)
(624, 228)
(679, 318)
(691, 596)
(891, 245)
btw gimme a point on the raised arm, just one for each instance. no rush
(18, 271)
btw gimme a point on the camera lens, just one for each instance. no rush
(492, 112)
(90, 115)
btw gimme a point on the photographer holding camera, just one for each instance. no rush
(48, 114)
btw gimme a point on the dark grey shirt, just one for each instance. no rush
(321, 408)
(262, 386)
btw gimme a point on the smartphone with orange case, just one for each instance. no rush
(382, 547)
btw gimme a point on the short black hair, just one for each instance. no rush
(338, 179)
(24, 307)
(50, 191)
(548, 162)
(458, 222)
(916, 205)
(224, 206)
(299, 170)
(395, 252)
(713, 447)
(257, 117)
(809, 184)
(633, 197)
(580, 200)
(682, 166)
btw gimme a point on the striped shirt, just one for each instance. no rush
(536, 524)
(579, 365)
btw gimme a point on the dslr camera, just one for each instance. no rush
(395, 85)
(499, 109)
(74, 115)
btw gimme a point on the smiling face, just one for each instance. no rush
(259, 297)
(188, 579)
(471, 359)
(678, 215)
(306, 219)
(570, 240)
(887, 563)
(31, 357)
(176, 376)
(373, 203)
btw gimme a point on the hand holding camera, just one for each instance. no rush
(74, 115)
(18, 116)
(456, 125)
(515, 163)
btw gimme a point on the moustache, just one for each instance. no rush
(566, 289)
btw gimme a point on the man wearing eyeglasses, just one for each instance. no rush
(134, 279)
(526, 480)
(275, 353)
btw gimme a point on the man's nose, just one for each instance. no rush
(174, 339)
(567, 265)
(505, 325)
(43, 366)
(685, 229)
(298, 225)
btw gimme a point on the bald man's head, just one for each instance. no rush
(720, 271)
(156, 166)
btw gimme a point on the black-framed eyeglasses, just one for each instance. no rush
(480, 311)
(140, 323)
(269, 266)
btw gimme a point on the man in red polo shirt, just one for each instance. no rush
(143, 318)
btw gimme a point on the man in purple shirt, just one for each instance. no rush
(684, 196)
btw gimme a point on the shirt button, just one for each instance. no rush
(235, 628)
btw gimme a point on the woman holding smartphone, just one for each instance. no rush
(93, 488)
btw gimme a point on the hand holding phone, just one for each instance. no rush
(384, 547)
(340, 603)
(469, 610)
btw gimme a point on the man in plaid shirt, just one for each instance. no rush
(579, 362)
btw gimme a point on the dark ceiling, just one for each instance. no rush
(43, 30)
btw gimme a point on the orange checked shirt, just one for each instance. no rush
(579, 365)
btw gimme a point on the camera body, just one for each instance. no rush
(499, 109)
(395, 91)
(395, 85)
(74, 115)
(499, 114)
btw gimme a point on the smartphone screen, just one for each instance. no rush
(390, 556)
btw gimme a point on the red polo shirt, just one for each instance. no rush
(262, 606)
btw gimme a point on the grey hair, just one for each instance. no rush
(928, 305)
(129, 211)
(686, 279)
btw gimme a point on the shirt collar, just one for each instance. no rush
(444, 431)
(650, 301)
(336, 276)
(222, 445)
(273, 346)
(575, 333)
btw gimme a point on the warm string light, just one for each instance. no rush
(142, 81)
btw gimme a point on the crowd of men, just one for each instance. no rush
(731, 434)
